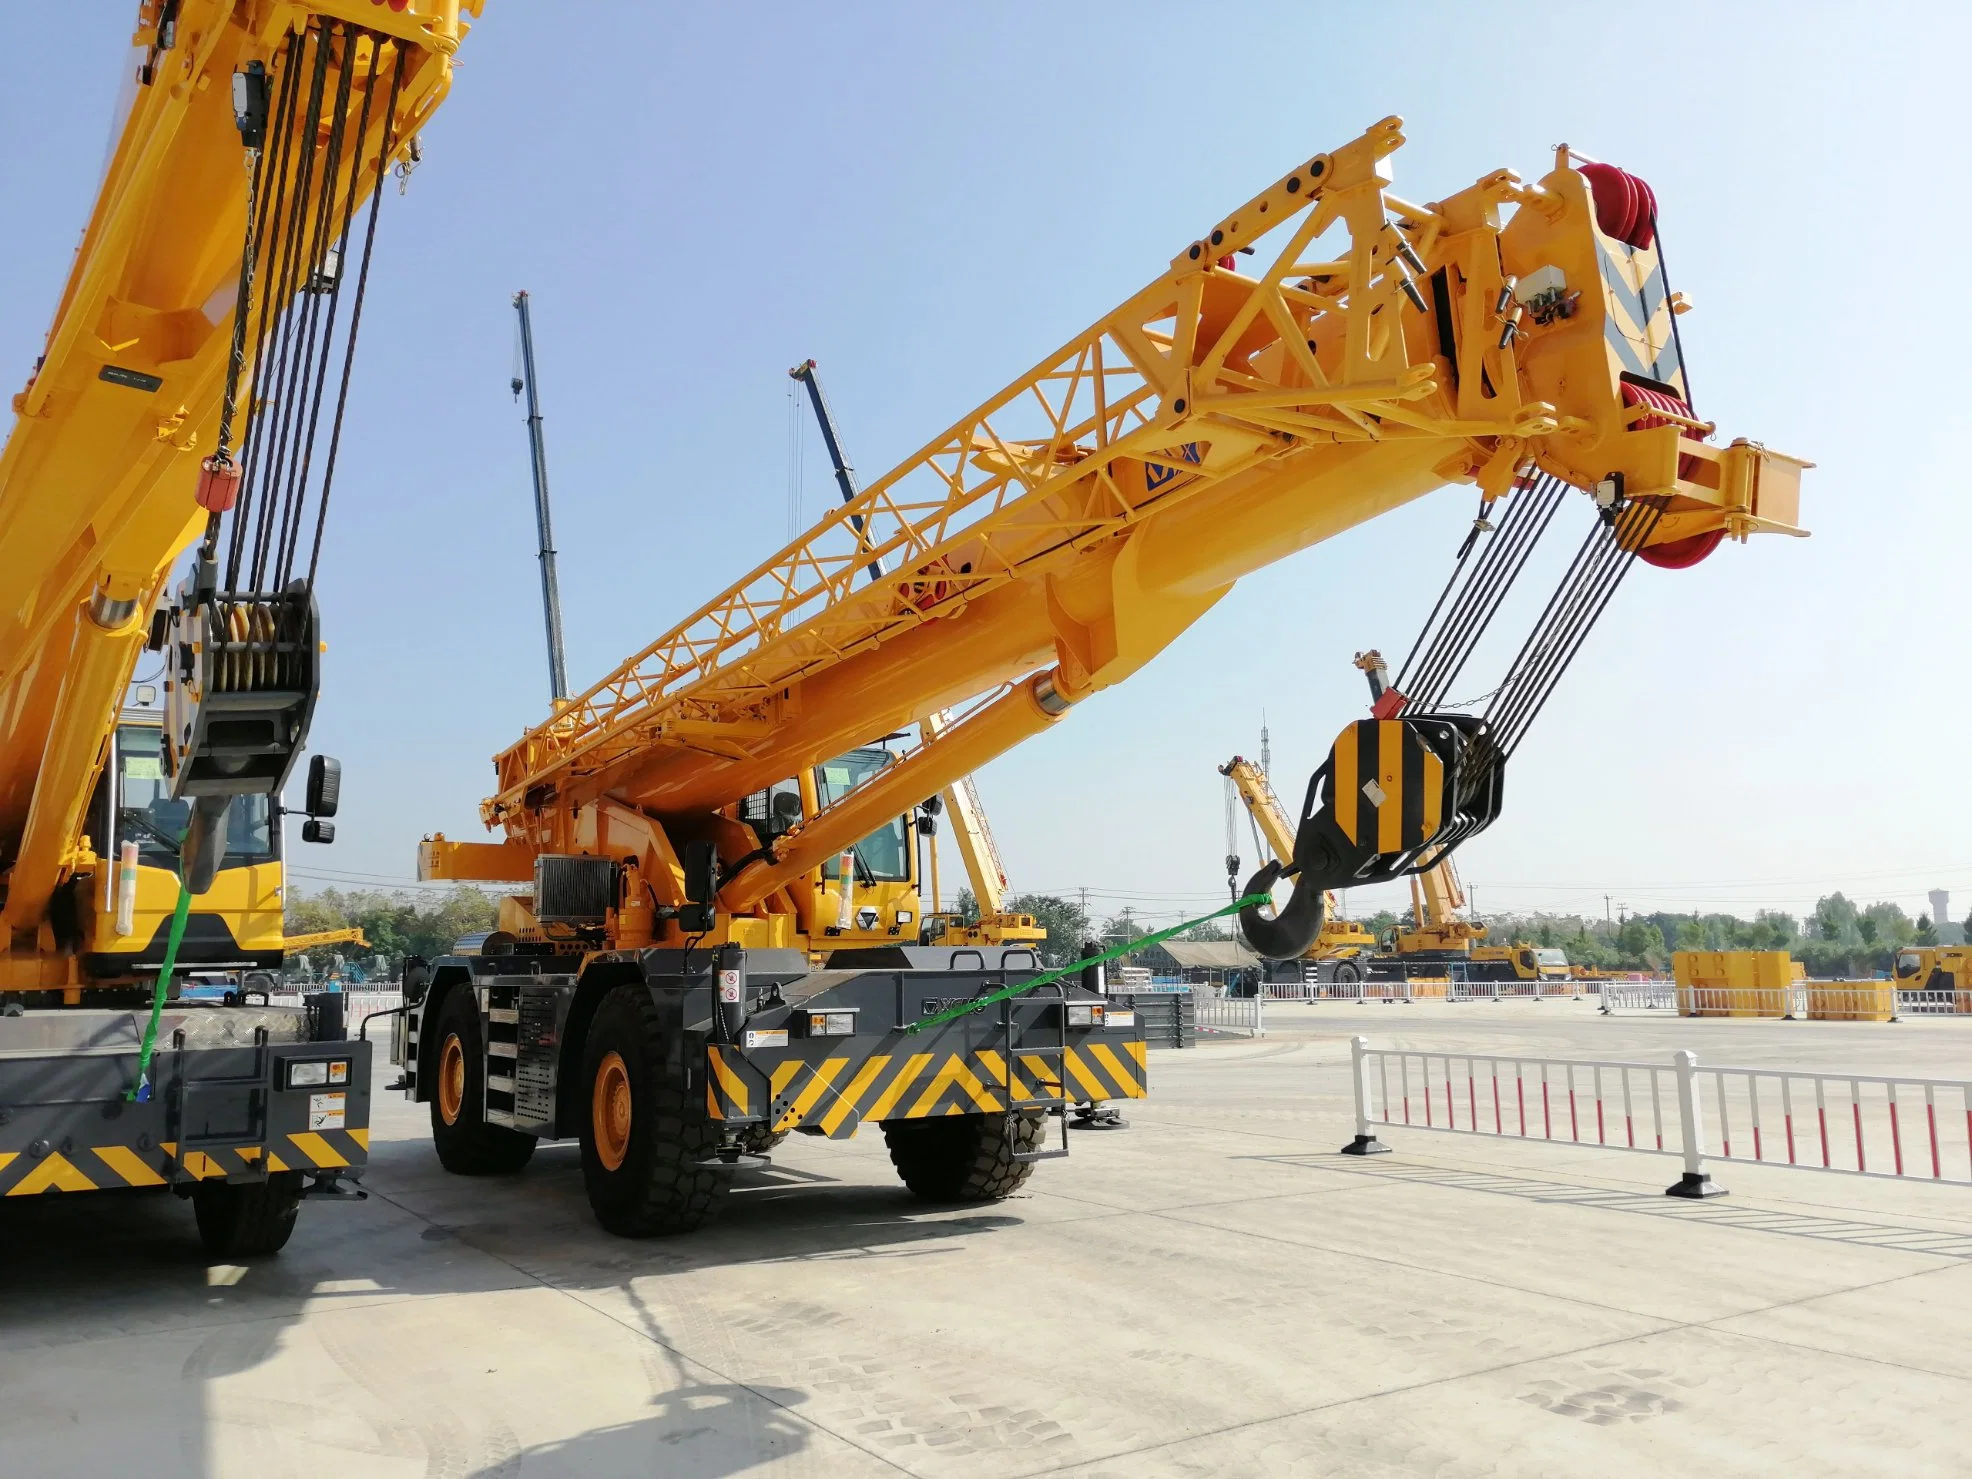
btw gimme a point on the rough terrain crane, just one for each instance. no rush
(684, 969)
(191, 392)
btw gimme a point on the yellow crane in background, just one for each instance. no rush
(295, 944)
(698, 960)
(189, 400)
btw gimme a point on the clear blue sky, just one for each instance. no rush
(926, 198)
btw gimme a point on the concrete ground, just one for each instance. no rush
(1211, 1292)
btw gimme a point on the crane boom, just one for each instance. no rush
(1054, 540)
(100, 475)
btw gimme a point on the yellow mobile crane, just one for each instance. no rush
(685, 971)
(190, 393)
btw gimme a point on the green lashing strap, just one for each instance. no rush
(1050, 977)
(140, 1092)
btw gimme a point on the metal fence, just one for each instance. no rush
(1237, 1015)
(1797, 1001)
(1854, 1124)
(1636, 996)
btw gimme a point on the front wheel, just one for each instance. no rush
(467, 1145)
(963, 1157)
(647, 1137)
(249, 1219)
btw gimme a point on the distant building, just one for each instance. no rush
(1950, 931)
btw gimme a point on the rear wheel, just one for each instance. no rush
(647, 1136)
(1347, 973)
(247, 1219)
(467, 1145)
(963, 1157)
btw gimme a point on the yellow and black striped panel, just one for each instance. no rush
(1389, 786)
(840, 1092)
(728, 1092)
(103, 1167)
(1637, 315)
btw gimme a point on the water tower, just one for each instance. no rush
(1949, 931)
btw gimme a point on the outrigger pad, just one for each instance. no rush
(1393, 797)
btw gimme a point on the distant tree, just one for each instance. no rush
(1893, 927)
(1834, 917)
(1641, 943)
(1691, 936)
(1067, 925)
(1927, 933)
(967, 907)
(396, 925)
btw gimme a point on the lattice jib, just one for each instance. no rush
(1033, 475)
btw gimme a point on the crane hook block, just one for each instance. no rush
(1393, 797)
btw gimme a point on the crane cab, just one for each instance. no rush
(117, 906)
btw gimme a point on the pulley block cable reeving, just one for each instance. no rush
(303, 175)
(1440, 653)
(1598, 568)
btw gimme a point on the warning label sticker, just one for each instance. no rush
(325, 1111)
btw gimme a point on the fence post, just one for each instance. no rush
(1694, 1183)
(1260, 1015)
(1365, 1142)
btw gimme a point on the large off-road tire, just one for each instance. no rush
(645, 1135)
(247, 1219)
(1347, 973)
(467, 1145)
(963, 1157)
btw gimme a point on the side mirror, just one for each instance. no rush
(787, 808)
(932, 804)
(315, 829)
(701, 860)
(324, 787)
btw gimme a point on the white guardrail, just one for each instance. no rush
(1850, 1123)
(1235, 1014)
(1424, 988)
(1825, 1001)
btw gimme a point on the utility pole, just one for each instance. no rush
(1605, 909)
(538, 451)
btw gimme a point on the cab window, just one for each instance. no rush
(885, 855)
(1557, 959)
(147, 816)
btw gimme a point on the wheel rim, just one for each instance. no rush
(451, 1079)
(609, 1111)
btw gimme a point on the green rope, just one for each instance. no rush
(1050, 977)
(141, 1090)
